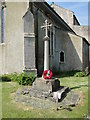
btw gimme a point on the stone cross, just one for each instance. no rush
(46, 45)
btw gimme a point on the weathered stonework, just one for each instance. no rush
(24, 46)
(69, 17)
(0, 21)
(65, 14)
(82, 31)
(51, 85)
(45, 89)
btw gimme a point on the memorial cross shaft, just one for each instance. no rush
(46, 45)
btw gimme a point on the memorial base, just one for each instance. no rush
(46, 85)
(50, 89)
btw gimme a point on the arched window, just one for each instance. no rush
(61, 57)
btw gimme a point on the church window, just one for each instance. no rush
(61, 57)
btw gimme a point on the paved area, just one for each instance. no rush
(71, 99)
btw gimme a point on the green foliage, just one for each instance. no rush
(5, 78)
(22, 78)
(26, 79)
(13, 76)
(9, 77)
(80, 74)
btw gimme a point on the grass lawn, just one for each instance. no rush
(11, 109)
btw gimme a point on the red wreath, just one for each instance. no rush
(47, 74)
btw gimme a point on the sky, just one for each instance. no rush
(80, 10)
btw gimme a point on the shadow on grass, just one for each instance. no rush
(66, 108)
(76, 87)
(65, 74)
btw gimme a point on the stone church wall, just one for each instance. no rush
(14, 37)
(0, 21)
(41, 34)
(71, 44)
(65, 14)
(82, 31)
(2, 58)
(2, 48)
(72, 47)
(20, 48)
(29, 41)
(85, 54)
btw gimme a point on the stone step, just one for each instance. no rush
(71, 99)
(62, 92)
(47, 89)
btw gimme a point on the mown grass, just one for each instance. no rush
(10, 109)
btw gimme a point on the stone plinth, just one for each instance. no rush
(46, 89)
(43, 85)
